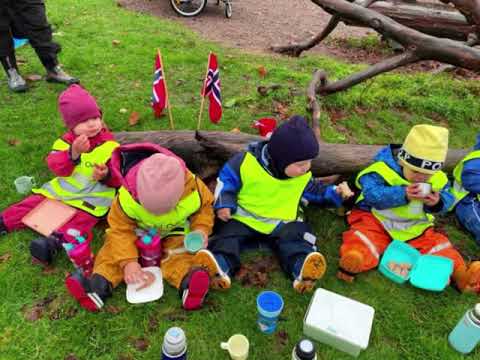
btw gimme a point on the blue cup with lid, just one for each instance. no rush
(269, 306)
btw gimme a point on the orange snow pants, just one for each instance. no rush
(367, 235)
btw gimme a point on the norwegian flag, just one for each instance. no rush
(159, 91)
(211, 87)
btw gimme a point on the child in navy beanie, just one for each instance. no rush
(257, 200)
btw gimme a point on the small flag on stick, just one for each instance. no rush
(160, 99)
(211, 88)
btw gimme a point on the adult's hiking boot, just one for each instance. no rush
(58, 75)
(15, 81)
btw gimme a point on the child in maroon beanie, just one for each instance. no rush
(80, 161)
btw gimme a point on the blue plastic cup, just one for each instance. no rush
(193, 242)
(269, 306)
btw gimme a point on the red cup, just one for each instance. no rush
(265, 126)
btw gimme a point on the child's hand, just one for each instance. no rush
(414, 192)
(79, 146)
(224, 214)
(431, 199)
(133, 273)
(344, 190)
(100, 172)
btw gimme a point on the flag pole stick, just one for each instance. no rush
(169, 108)
(202, 103)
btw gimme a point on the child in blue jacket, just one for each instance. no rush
(466, 189)
(257, 199)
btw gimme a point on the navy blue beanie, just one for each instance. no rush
(292, 141)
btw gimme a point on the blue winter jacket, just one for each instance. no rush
(471, 175)
(379, 195)
(229, 182)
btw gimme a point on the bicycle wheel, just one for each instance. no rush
(228, 9)
(188, 7)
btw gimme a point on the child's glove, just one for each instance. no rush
(224, 214)
(344, 190)
(79, 146)
(100, 172)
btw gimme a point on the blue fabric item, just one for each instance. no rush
(19, 42)
(230, 182)
(468, 213)
(471, 172)
(379, 195)
(297, 267)
(224, 263)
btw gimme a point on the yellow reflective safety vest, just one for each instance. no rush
(458, 190)
(175, 222)
(264, 201)
(79, 190)
(408, 221)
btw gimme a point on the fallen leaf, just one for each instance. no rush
(14, 142)
(140, 344)
(262, 71)
(371, 125)
(262, 90)
(5, 257)
(21, 60)
(47, 270)
(70, 357)
(235, 130)
(33, 77)
(255, 273)
(115, 42)
(179, 82)
(37, 310)
(123, 110)
(133, 119)
(111, 309)
(152, 324)
(126, 357)
(282, 337)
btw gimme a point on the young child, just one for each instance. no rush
(392, 206)
(159, 192)
(466, 189)
(80, 161)
(257, 199)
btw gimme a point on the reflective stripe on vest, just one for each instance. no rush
(79, 189)
(164, 223)
(458, 190)
(408, 221)
(264, 201)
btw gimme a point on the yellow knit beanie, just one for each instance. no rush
(425, 148)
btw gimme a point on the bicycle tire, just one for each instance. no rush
(188, 8)
(228, 10)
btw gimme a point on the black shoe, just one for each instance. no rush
(3, 228)
(90, 293)
(57, 75)
(44, 249)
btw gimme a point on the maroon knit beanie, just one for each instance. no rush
(77, 105)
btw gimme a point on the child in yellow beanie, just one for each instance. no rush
(401, 191)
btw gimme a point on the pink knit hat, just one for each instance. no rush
(160, 183)
(77, 105)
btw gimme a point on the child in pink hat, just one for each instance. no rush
(79, 159)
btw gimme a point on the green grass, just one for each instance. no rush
(409, 323)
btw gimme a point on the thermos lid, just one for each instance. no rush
(174, 341)
(305, 350)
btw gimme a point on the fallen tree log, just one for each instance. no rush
(430, 18)
(206, 151)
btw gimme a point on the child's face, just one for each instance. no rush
(90, 128)
(298, 168)
(415, 176)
